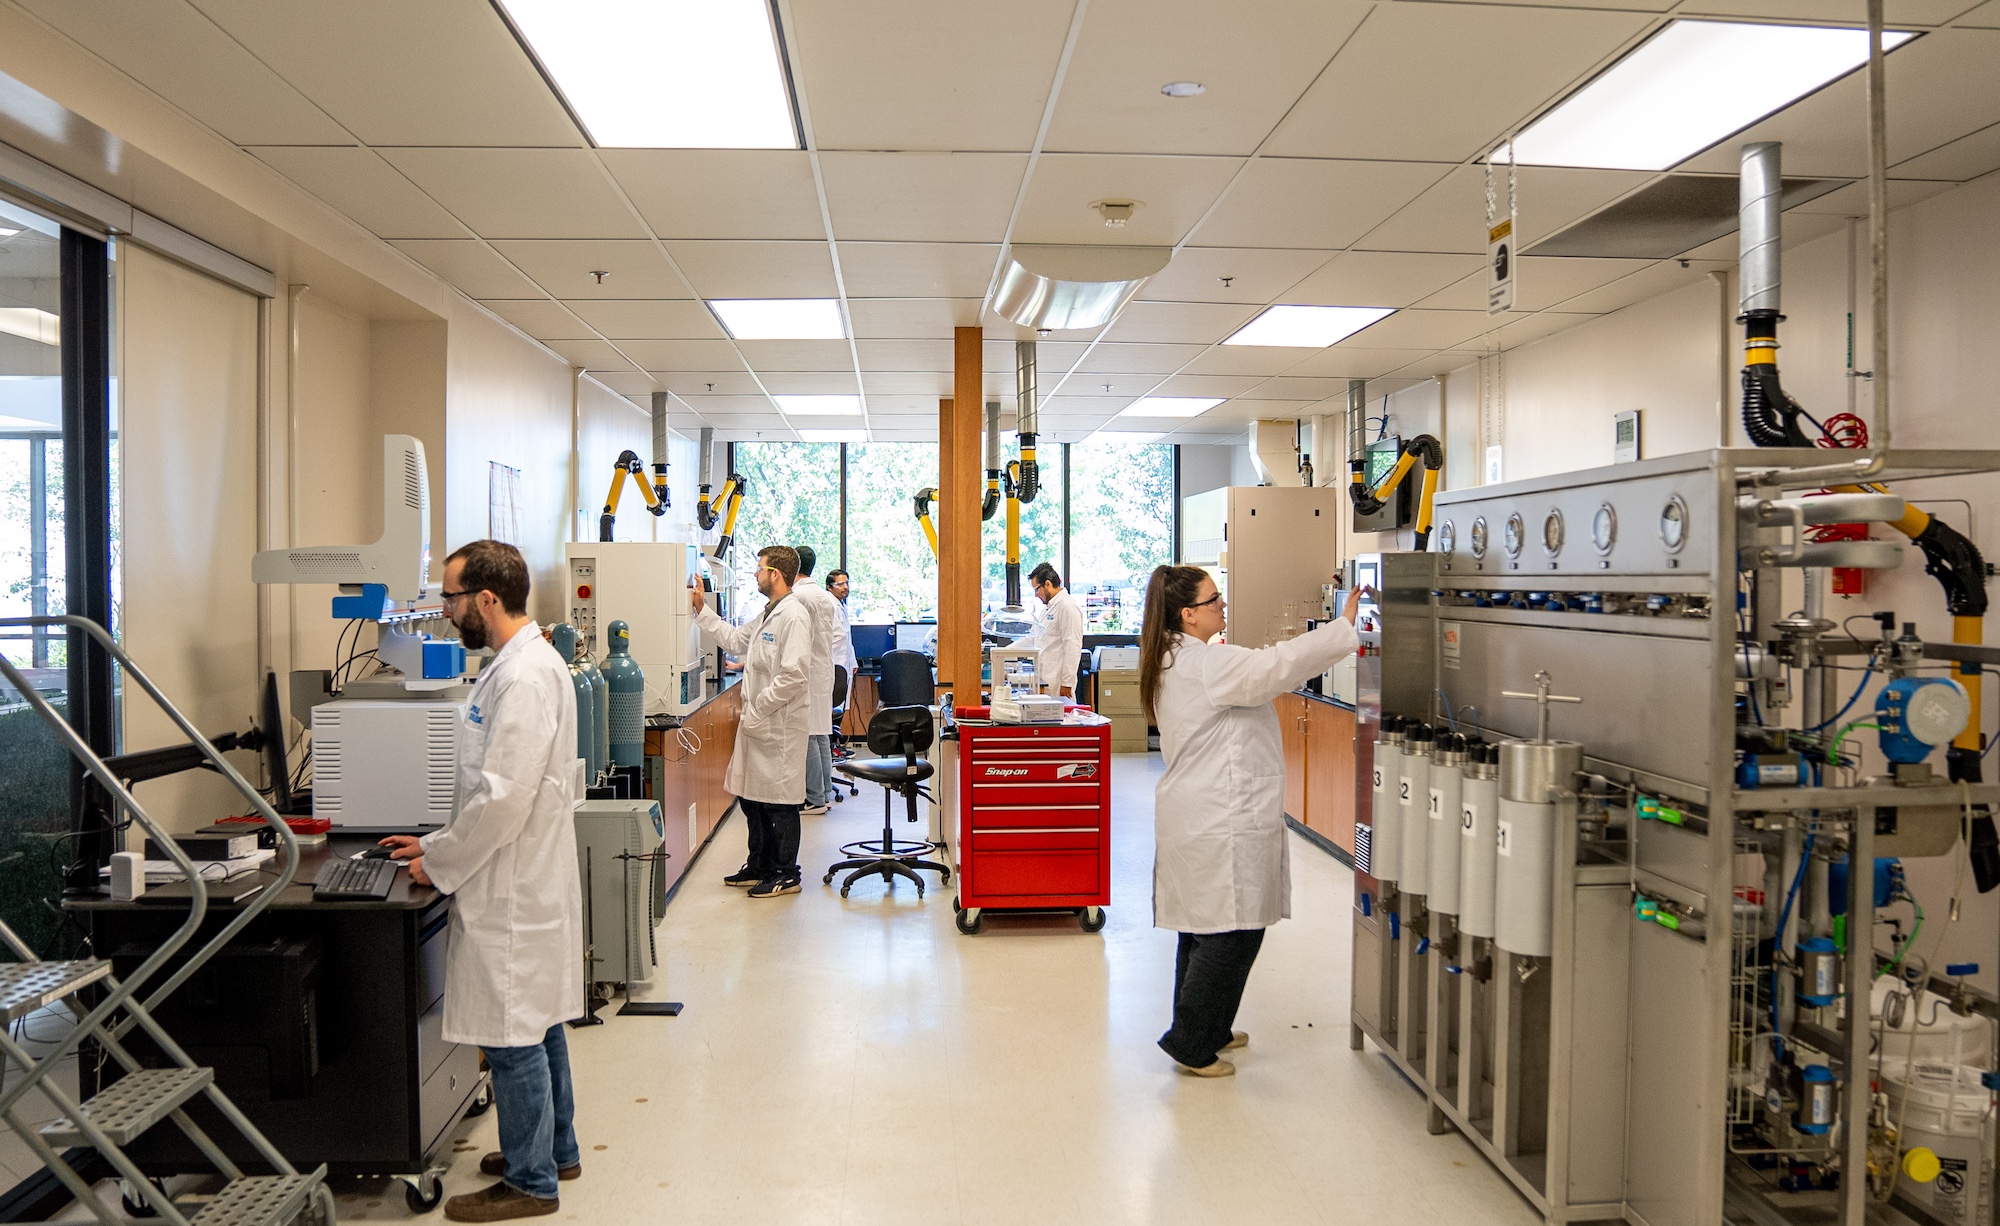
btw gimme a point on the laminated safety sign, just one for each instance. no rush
(1501, 248)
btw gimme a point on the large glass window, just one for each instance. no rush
(1121, 525)
(1041, 530)
(892, 572)
(793, 499)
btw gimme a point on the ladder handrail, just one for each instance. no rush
(95, 765)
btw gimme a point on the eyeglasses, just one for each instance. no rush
(1202, 604)
(448, 597)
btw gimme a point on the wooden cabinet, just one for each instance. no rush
(1319, 766)
(863, 700)
(688, 771)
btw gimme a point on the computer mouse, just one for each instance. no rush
(376, 853)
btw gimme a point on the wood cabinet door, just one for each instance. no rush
(1292, 724)
(1330, 773)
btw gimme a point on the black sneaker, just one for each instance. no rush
(743, 878)
(771, 887)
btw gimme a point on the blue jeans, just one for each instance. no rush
(537, 1105)
(819, 769)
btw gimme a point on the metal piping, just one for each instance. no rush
(1759, 190)
(990, 500)
(1027, 418)
(660, 460)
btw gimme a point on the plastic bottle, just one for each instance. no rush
(627, 689)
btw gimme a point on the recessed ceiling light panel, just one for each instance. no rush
(664, 74)
(1306, 327)
(834, 436)
(1689, 86)
(780, 319)
(1170, 406)
(819, 406)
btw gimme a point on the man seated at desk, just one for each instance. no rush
(514, 973)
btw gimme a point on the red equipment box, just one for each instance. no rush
(1034, 818)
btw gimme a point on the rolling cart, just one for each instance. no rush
(1034, 818)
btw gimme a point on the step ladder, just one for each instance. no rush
(144, 1096)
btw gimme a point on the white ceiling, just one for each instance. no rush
(1331, 160)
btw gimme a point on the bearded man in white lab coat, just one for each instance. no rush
(1060, 634)
(826, 621)
(514, 970)
(767, 770)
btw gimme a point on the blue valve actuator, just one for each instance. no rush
(1367, 904)
(1957, 969)
(1423, 946)
(1395, 926)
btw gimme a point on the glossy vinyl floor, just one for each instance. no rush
(860, 1061)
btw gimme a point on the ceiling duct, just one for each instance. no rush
(1064, 289)
(1668, 217)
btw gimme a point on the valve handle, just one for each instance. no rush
(1541, 698)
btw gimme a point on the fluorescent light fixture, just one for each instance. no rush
(834, 436)
(1306, 327)
(820, 406)
(9, 231)
(664, 74)
(780, 319)
(33, 323)
(1689, 86)
(1170, 406)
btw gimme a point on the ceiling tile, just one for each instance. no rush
(1895, 12)
(905, 355)
(705, 382)
(1084, 406)
(798, 355)
(711, 405)
(1451, 216)
(634, 385)
(917, 270)
(1383, 278)
(1291, 202)
(683, 355)
(900, 407)
(915, 74)
(1116, 359)
(634, 268)
(1050, 356)
(810, 383)
(1287, 387)
(1966, 158)
(366, 188)
(1257, 275)
(1342, 362)
(593, 355)
(1648, 282)
(922, 197)
(1852, 200)
(649, 319)
(1381, 98)
(470, 265)
(1537, 326)
(179, 54)
(1417, 329)
(1423, 369)
(444, 72)
(756, 269)
(1172, 194)
(1087, 383)
(754, 425)
(1260, 360)
(542, 319)
(720, 193)
(1540, 282)
(897, 319)
(1206, 385)
(1255, 57)
(521, 193)
(1182, 323)
(929, 384)
(1986, 16)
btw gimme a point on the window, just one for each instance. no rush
(1041, 530)
(1121, 525)
(793, 499)
(893, 574)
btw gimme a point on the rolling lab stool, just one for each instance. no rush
(903, 730)
(837, 743)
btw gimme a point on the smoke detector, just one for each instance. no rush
(1115, 212)
(1183, 89)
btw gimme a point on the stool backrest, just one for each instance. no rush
(901, 730)
(839, 686)
(905, 680)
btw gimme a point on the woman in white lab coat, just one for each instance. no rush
(1220, 869)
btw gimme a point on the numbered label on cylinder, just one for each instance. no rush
(1502, 836)
(1406, 791)
(1437, 805)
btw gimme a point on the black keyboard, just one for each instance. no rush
(354, 880)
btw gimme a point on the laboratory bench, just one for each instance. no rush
(684, 771)
(1319, 768)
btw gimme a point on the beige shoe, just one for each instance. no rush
(1215, 1068)
(1237, 1038)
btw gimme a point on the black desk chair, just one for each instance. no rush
(906, 680)
(838, 743)
(894, 730)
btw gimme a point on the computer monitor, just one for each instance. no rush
(272, 725)
(916, 636)
(872, 642)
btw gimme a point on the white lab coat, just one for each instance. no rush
(514, 967)
(825, 611)
(1059, 634)
(843, 647)
(769, 763)
(1220, 861)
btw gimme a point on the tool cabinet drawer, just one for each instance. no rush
(993, 817)
(1026, 874)
(1036, 838)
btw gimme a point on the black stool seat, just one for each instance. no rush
(889, 772)
(904, 730)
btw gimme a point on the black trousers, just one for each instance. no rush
(774, 838)
(1210, 970)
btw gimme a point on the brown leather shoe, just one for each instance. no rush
(495, 1165)
(498, 1203)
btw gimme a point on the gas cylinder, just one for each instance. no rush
(627, 689)
(599, 758)
(563, 639)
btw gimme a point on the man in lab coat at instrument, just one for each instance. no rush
(1059, 634)
(514, 970)
(767, 771)
(825, 611)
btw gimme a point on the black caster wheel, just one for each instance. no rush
(826, 880)
(418, 1199)
(136, 1205)
(954, 903)
(970, 921)
(482, 1102)
(843, 891)
(1092, 919)
(920, 893)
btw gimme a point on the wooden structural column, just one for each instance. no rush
(960, 483)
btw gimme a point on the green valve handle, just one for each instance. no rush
(1672, 817)
(1668, 920)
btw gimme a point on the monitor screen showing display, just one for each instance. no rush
(871, 643)
(916, 636)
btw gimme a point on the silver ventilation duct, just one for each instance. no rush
(1027, 418)
(990, 502)
(660, 460)
(1759, 192)
(705, 462)
(1063, 289)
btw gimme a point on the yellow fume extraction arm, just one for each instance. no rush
(924, 497)
(1424, 447)
(657, 497)
(726, 503)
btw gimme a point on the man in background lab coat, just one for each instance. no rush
(843, 647)
(514, 970)
(1059, 634)
(825, 611)
(767, 771)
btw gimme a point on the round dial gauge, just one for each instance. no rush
(1604, 528)
(1674, 524)
(1514, 535)
(1478, 541)
(1447, 537)
(1552, 533)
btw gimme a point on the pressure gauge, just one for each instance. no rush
(1604, 528)
(1552, 532)
(1478, 541)
(1514, 535)
(1447, 537)
(1674, 524)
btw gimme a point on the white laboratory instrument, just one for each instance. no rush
(1015, 670)
(1027, 709)
(386, 765)
(618, 853)
(643, 584)
(398, 561)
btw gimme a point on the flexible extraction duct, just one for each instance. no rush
(660, 460)
(1027, 418)
(990, 502)
(704, 514)
(1770, 416)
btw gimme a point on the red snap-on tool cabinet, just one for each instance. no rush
(1034, 818)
